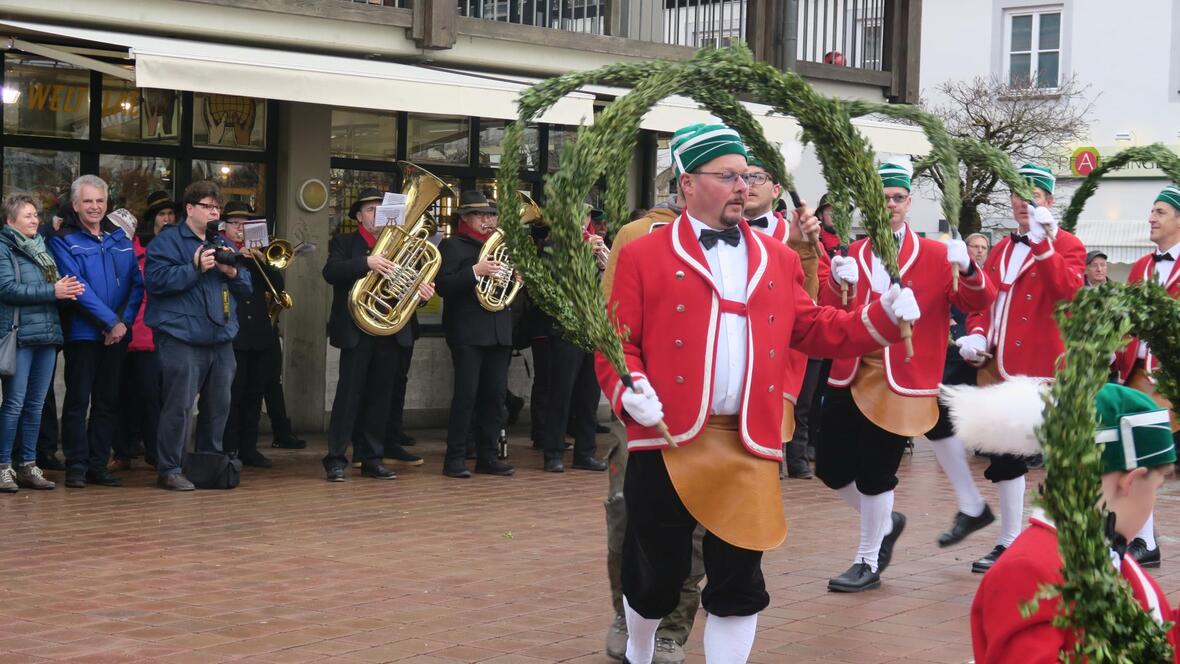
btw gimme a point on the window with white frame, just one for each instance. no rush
(1032, 50)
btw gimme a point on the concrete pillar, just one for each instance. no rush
(304, 153)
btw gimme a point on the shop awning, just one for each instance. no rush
(178, 64)
(1123, 241)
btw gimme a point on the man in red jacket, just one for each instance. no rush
(1034, 269)
(711, 309)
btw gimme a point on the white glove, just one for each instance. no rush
(844, 270)
(971, 348)
(1042, 224)
(644, 407)
(900, 304)
(956, 254)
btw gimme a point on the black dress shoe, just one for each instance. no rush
(456, 470)
(590, 463)
(291, 442)
(76, 480)
(554, 465)
(1144, 556)
(800, 470)
(335, 472)
(985, 563)
(50, 463)
(377, 470)
(102, 477)
(397, 454)
(964, 525)
(885, 555)
(256, 460)
(858, 577)
(494, 467)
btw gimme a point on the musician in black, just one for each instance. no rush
(367, 363)
(480, 340)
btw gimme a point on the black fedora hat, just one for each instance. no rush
(158, 200)
(366, 195)
(474, 201)
(236, 209)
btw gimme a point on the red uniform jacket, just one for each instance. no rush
(1000, 636)
(664, 299)
(1024, 337)
(1144, 270)
(924, 268)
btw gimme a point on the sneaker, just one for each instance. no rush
(8, 479)
(29, 476)
(667, 652)
(174, 482)
(335, 472)
(616, 639)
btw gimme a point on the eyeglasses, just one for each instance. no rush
(208, 206)
(897, 199)
(730, 178)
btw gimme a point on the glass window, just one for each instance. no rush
(491, 136)
(558, 140)
(131, 179)
(44, 174)
(133, 114)
(229, 121)
(1034, 49)
(44, 97)
(238, 181)
(438, 139)
(665, 185)
(364, 134)
(346, 185)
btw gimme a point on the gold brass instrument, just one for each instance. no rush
(382, 304)
(496, 292)
(277, 255)
(601, 251)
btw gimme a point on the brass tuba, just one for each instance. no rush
(382, 304)
(496, 292)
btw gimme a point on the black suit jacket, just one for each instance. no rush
(255, 329)
(347, 255)
(465, 322)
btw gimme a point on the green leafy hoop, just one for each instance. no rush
(1165, 159)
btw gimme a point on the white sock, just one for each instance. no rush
(641, 635)
(1011, 510)
(1147, 532)
(728, 640)
(875, 522)
(850, 494)
(952, 456)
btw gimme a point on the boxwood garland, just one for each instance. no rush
(1165, 159)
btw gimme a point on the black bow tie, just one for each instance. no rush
(1017, 237)
(730, 236)
(1162, 257)
(761, 222)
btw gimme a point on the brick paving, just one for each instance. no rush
(289, 568)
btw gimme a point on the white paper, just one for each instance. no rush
(256, 235)
(387, 215)
(393, 199)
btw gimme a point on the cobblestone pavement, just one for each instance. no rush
(427, 569)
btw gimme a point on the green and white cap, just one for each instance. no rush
(1133, 431)
(697, 145)
(895, 174)
(1039, 176)
(1170, 195)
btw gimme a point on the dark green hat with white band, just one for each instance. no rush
(1171, 196)
(1039, 176)
(696, 145)
(895, 175)
(1133, 431)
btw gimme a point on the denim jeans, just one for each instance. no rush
(24, 396)
(188, 371)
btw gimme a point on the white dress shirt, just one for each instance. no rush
(1163, 270)
(879, 280)
(728, 266)
(771, 223)
(1008, 276)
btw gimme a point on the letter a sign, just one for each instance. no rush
(1083, 161)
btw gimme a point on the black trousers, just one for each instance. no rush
(815, 421)
(395, 425)
(481, 380)
(797, 451)
(539, 397)
(855, 449)
(276, 403)
(572, 399)
(246, 394)
(140, 405)
(92, 383)
(658, 549)
(365, 378)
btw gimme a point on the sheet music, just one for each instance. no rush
(389, 214)
(256, 233)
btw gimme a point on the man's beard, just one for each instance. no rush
(729, 219)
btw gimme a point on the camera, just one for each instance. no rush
(221, 253)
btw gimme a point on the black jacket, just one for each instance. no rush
(255, 329)
(347, 264)
(465, 322)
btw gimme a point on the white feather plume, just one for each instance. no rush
(1000, 418)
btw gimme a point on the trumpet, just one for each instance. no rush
(601, 251)
(495, 293)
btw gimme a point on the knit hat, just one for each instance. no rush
(1171, 196)
(895, 175)
(1133, 431)
(123, 219)
(1039, 176)
(693, 148)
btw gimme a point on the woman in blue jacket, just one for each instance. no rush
(29, 290)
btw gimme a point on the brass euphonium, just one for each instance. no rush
(496, 292)
(382, 304)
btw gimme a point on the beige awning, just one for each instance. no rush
(1122, 240)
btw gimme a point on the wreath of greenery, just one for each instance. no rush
(1166, 160)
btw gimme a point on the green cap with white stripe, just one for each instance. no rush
(1133, 431)
(895, 175)
(1039, 176)
(1171, 196)
(696, 145)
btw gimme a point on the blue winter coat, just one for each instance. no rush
(40, 323)
(110, 272)
(193, 306)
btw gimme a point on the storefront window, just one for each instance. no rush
(238, 181)
(558, 140)
(228, 121)
(44, 174)
(491, 136)
(439, 139)
(44, 97)
(133, 114)
(131, 179)
(345, 187)
(364, 134)
(665, 187)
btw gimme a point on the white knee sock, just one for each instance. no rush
(952, 456)
(728, 640)
(641, 635)
(1011, 510)
(850, 494)
(875, 523)
(1147, 532)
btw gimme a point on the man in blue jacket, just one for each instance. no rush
(192, 313)
(96, 327)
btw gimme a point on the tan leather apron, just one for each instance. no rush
(788, 420)
(1139, 380)
(904, 416)
(732, 493)
(988, 374)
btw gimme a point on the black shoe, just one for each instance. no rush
(76, 480)
(601, 428)
(1144, 556)
(335, 472)
(377, 470)
(50, 463)
(554, 465)
(590, 463)
(291, 442)
(456, 470)
(964, 525)
(858, 577)
(174, 482)
(799, 470)
(494, 467)
(985, 563)
(885, 555)
(397, 454)
(102, 477)
(256, 460)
